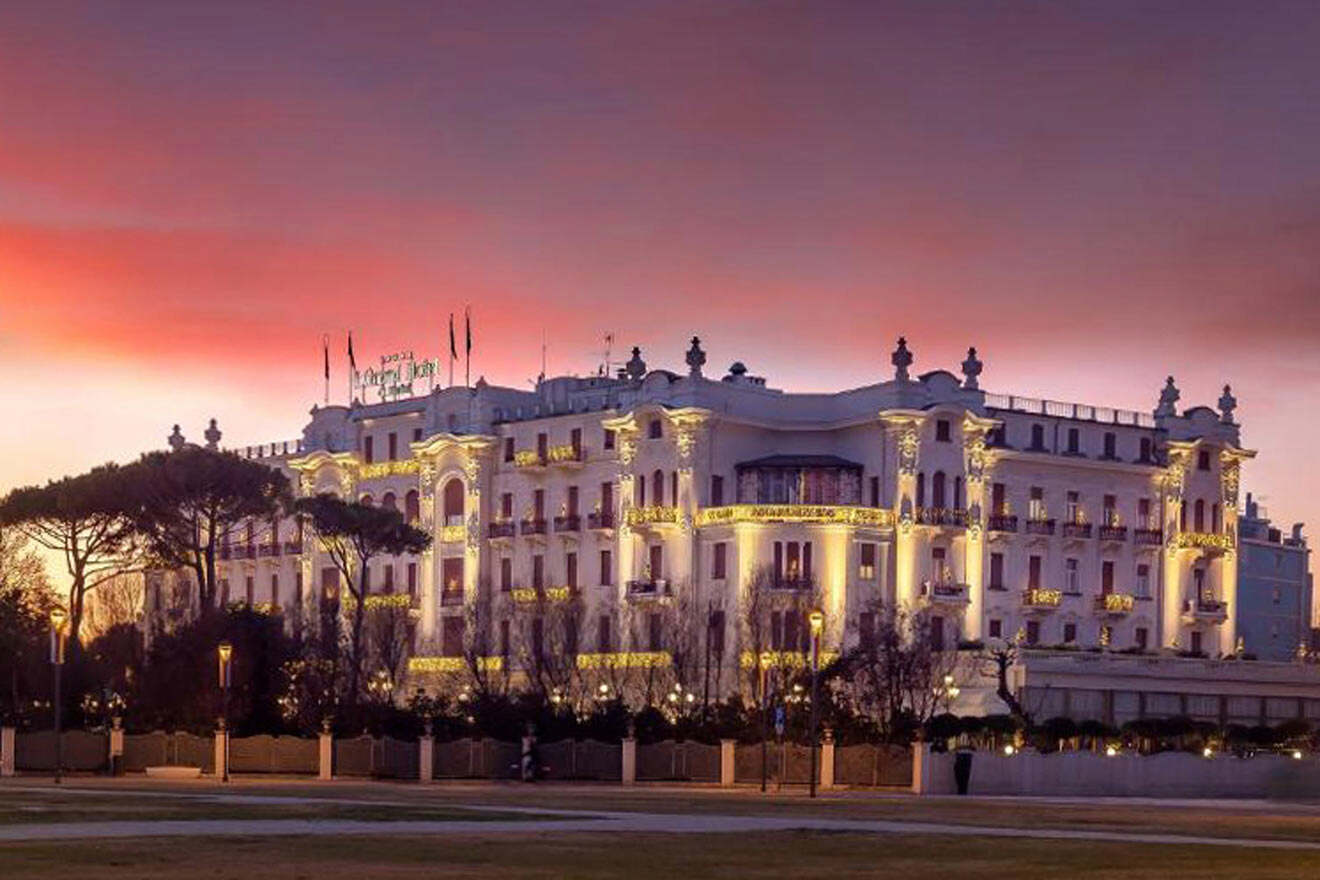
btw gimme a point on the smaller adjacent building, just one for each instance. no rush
(1274, 587)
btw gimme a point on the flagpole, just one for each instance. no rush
(452, 350)
(467, 355)
(325, 347)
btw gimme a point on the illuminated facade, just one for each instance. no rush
(1064, 524)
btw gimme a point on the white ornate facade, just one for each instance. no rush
(1064, 523)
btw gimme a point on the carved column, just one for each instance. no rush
(905, 431)
(426, 575)
(977, 465)
(1171, 488)
(625, 547)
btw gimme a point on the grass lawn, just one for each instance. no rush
(587, 856)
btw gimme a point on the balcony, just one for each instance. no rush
(1204, 611)
(600, 519)
(806, 514)
(640, 517)
(505, 529)
(1039, 527)
(941, 516)
(945, 593)
(451, 598)
(1115, 604)
(1036, 599)
(529, 458)
(1216, 542)
(1002, 522)
(243, 551)
(791, 584)
(264, 550)
(571, 522)
(1113, 534)
(1148, 537)
(566, 455)
(453, 534)
(293, 548)
(648, 588)
(1076, 530)
(533, 526)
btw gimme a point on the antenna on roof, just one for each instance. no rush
(609, 344)
(541, 378)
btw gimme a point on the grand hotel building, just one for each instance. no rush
(1068, 524)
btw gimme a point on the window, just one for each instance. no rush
(1140, 638)
(1182, 517)
(412, 579)
(658, 488)
(571, 505)
(1069, 633)
(937, 489)
(1214, 518)
(875, 491)
(538, 505)
(506, 505)
(606, 568)
(921, 490)
(542, 447)
(1145, 456)
(936, 633)
(866, 570)
(996, 628)
(504, 638)
(575, 441)
(570, 571)
(1203, 460)
(607, 499)
(673, 488)
(718, 560)
(1033, 632)
(999, 499)
(939, 571)
(1143, 580)
(570, 636)
(451, 575)
(1038, 438)
(275, 589)
(996, 571)
(452, 501)
(717, 491)
(654, 431)
(655, 640)
(393, 443)
(1033, 572)
(1110, 510)
(1074, 441)
(389, 502)
(1144, 520)
(1073, 507)
(538, 640)
(451, 637)
(1198, 584)
(942, 431)
(1198, 517)
(657, 562)
(1111, 445)
(417, 435)
(639, 493)
(715, 636)
(1036, 506)
(389, 577)
(368, 449)
(603, 634)
(1070, 576)
(508, 449)
(607, 442)
(1196, 643)
(297, 589)
(866, 629)
(538, 572)
(412, 507)
(1106, 577)
(957, 493)
(249, 589)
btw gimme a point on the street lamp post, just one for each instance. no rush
(58, 619)
(765, 658)
(225, 652)
(817, 620)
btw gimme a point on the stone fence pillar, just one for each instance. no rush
(726, 762)
(629, 761)
(826, 762)
(426, 756)
(116, 747)
(327, 753)
(221, 752)
(920, 768)
(7, 745)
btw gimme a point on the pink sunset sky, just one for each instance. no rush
(1096, 195)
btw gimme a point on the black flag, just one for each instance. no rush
(352, 362)
(453, 346)
(467, 315)
(326, 345)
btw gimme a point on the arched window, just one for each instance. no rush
(958, 493)
(412, 507)
(387, 501)
(658, 488)
(1198, 516)
(937, 489)
(1037, 436)
(453, 502)
(1215, 525)
(368, 500)
(921, 490)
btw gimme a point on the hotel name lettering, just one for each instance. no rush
(397, 373)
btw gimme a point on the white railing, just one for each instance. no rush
(1060, 409)
(270, 450)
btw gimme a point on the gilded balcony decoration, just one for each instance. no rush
(527, 458)
(649, 516)
(565, 453)
(1039, 598)
(785, 659)
(945, 592)
(548, 594)
(1114, 603)
(453, 664)
(872, 517)
(453, 534)
(505, 529)
(1205, 540)
(398, 467)
(626, 660)
(941, 516)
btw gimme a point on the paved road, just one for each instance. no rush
(558, 821)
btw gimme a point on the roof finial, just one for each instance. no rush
(901, 359)
(176, 440)
(1168, 398)
(696, 358)
(636, 368)
(971, 369)
(212, 436)
(1227, 403)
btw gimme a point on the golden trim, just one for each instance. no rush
(872, 517)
